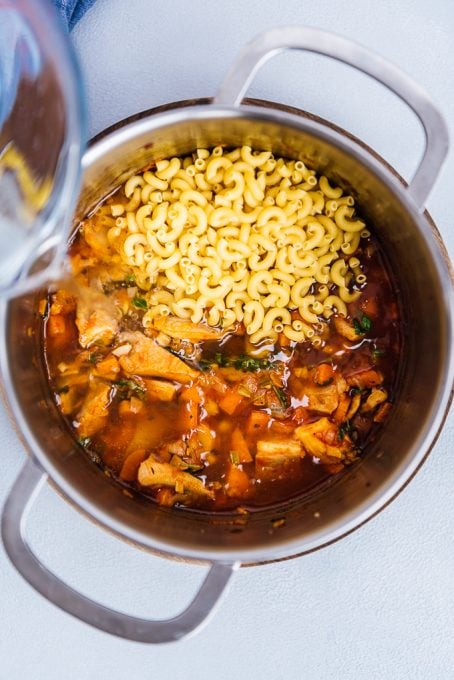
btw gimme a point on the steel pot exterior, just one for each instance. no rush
(426, 371)
(423, 276)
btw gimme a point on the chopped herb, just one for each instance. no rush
(181, 464)
(128, 388)
(84, 441)
(377, 352)
(246, 363)
(363, 325)
(357, 327)
(194, 467)
(94, 357)
(139, 302)
(345, 429)
(244, 391)
(279, 392)
(366, 323)
(241, 363)
(355, 390)
(220, 359)
(234, 457)
(204, 364)
(127, 282)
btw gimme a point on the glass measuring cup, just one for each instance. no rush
(42, 135)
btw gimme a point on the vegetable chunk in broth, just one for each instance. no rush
(202, 382)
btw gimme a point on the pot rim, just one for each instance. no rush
(198, 109)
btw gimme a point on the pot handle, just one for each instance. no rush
(267, 44)
(14, 518)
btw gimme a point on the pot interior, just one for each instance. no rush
(422, 279)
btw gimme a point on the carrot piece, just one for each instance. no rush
(324, 374)
(239, 444)
(191, 394)
(382, 412)
(130, 467)
(108, 367)
(237, 482)
(283, 427)
(189, 415)
(257, 422)
(56, 325)
(166, 496)
(366, 379)
(334, 468)
(340, 414)
(232, 374)
(232, 401)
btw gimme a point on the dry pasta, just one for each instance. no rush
(240, 236)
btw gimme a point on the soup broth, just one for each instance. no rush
(214, 413)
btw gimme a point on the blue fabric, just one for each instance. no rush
(72, 10)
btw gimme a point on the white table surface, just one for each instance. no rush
(380, 603)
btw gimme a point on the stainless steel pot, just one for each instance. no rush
(418, 258)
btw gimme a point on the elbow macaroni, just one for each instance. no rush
(240, 237)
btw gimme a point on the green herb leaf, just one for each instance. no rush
(128, 388)
(84, 441)
(234, 457)
(246, 363)
(204, 364)
(279, 392)
(363, 325)
(220, 359)
(195, 467)
(345, 428)
(244, 391)
(377, 352)
(357, 327)
(127, 282)
(366, 323)
(139, 302)
(94, 357)
(242, 363)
